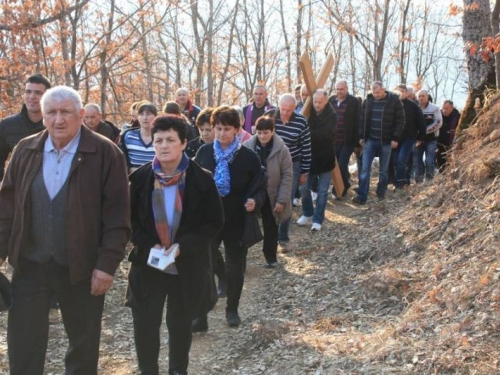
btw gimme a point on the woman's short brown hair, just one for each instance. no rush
(225, 116)
(265, 123)
(204, 116)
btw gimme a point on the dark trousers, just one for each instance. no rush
(236, 262)
(147, 291)
(441, 156)
(343, 154)
(219, 265)
(270, 245)
(33, 288)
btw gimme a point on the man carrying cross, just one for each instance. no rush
(322, 125)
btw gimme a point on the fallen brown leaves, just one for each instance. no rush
(409, 285)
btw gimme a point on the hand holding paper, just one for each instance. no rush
(162, 258)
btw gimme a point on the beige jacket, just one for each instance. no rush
(279, 174)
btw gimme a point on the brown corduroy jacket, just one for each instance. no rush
(97, 207)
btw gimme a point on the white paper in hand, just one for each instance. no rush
(163, 260)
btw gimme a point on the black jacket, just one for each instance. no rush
(109, 130)
(193, 147)
(414, 121)
(352, 112)
(12, 130)
(447, 131)
(393, 118)
(202, 219)
(322, 128)
(244, 167)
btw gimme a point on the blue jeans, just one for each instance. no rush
(285, 226)
(318, 213)
(402, 156)
(369, 150)
(429, 148)
(343, 156)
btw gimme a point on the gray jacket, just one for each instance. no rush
(279, 174)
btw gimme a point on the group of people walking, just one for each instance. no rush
(178, 185)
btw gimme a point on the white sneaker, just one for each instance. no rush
(314, 196)
(303, 220)
(315, 227)
(296, 202)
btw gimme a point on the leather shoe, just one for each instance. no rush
(233, 319)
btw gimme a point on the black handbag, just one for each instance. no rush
(252, 234)
(5, 293)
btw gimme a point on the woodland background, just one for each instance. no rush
(116, 52)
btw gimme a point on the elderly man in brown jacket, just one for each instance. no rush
(64, 225)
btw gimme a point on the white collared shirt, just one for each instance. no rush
(57, 164)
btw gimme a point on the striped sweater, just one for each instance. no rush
(296, 136)
(137, 152)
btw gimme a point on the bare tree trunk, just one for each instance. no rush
(178, 74)
(103, 57)
(228, 57)
(210, 39)
(64, 32)
(353, 63)
(476, 26)
(86, 96)
(402, 52)
(495, 20)
(288, 49)
(200, 47)
(145, 57)
(260, 38)
(75, 20)
(298, 52)
(380, 47)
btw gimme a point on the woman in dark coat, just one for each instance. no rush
(174, 202)
(242, 186)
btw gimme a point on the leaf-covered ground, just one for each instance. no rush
(408, 285)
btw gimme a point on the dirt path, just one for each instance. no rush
(297, 319)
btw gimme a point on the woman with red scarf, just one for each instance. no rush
(176, 214)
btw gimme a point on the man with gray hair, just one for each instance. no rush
(93, 119)
(292, 127)
(381, 126)
(259, 105)
(410, 93)
(64, 225)
(187, 107)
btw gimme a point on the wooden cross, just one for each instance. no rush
(312, 85)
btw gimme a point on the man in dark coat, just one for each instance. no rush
(93, 119)
(347, 108)
(64, 226)
(27, 122)
(322, 125)
(414, 131)
(381, 126)
(451, 117)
